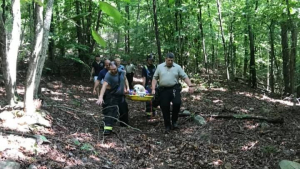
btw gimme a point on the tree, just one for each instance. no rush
(9, 49)
(38, 55)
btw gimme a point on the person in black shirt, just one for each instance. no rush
(97, 66)
(147, 74)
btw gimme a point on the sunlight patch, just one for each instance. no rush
(108, 145)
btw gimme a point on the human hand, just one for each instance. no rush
(94, 91)
(191, 89)
(100, 101)
(153, 92)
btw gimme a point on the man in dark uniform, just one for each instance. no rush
(112, 98)
(97, 66)
(101, 76)
(168, 74)
(147, 74)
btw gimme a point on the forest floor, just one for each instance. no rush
(76, 140)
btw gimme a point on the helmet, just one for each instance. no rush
(150, 56)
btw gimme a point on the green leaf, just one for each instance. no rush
(285, 164)
(171, 1)
(128, 1)
(98, 38)
(76, 142)
(110, 10)
(87, 146)
(40, 139)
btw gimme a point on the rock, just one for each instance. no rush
(32, 166)
(9, 165)
(199, 120)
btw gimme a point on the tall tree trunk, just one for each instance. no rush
(232, 50)
(157, 32)
(293, 54)
(246, 55)
(272, 56)
(80, 38)
(41, 59)
(285, 57)
(10, 43)
(212, 41)
(127, 38)
(252, 49)
(33, 60)
(202, 36)
(3, 11)
(223, 40)
(252, 58)
(51, 47)
(88, 26)
(97, 28)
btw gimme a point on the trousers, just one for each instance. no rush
(115, 106)
(166, 96)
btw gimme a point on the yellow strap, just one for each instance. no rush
(107, 128)
(149, 113)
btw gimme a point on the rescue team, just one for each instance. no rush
(162, 81)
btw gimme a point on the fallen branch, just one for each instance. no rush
(246, 116)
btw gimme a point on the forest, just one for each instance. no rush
(242, 56)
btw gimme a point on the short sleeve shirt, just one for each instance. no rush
(97, 67)
(121, 67)
(148, 72)
(169, 76)
(113, 81)
(102, 74)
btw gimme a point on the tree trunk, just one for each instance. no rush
(232, 50)
(212, 41)
(252, 50)
(285, 57)
(41, 59)
(223, 40)
(272, 56)
(202, 36)
(3, 11)
(157, 32)
(10, 55)
(246, 55)
(293, 54)
(127, 38)
(80, 38)
(33, 60)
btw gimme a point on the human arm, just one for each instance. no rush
(126, 85)
(188, 82)
(154, 82)
(144, 74)
(100, 99)
(95, 86)
(144, 81)
(92, 72)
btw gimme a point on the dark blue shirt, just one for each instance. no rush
(102, 74)
(148, 72)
